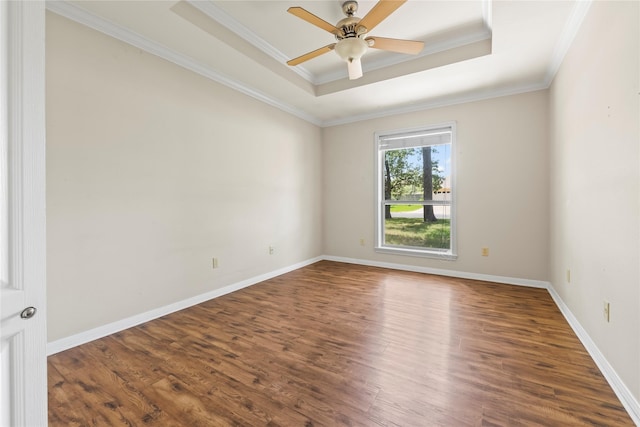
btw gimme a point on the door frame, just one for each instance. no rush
(22, 127)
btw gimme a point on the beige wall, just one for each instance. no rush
(595, 182)
(502, 186)
(152, 171)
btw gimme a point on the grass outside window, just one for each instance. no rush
(414, 232)
(405, 208)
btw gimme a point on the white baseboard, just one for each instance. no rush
(620, 389)
(120, 325)
(627, 399)
(442, 272)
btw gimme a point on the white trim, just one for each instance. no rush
(380, 201)
(77, 14)
(620, 389)
(569, 32)
(438, 103)
(22, 131)
(223, 18)
(442, 272)
(396, 59)
(120, 325)
(628, 401)
(417, 252)
(487, 14)
(622, 392)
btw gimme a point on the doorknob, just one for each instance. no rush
(28, 312)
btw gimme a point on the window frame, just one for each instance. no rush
(380, 201)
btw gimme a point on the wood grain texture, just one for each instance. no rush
(337, 344)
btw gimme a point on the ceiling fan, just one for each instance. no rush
(351, 34)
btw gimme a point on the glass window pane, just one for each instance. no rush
(403, 174)
(415, 176)
(419, 173)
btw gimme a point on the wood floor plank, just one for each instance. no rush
(336, 344)
(107, 398)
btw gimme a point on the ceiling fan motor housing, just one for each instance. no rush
(349, 25)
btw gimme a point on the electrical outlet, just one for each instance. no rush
(568, 276)
(485, 251)
(607, 311)
(272, 250)
(214, 262)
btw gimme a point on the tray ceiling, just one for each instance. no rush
(473, 50)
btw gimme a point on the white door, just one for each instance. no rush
(23, 374)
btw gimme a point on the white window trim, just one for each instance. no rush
(450, 254)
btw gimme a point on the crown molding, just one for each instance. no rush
(226, 20)
(563, 44)
(81, 16)
(439, 103)
(77, 14)
(569, 32)
(487, 14)
(451, 43)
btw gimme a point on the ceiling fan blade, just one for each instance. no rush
(313, 19)
(380, 11)
(311, 55)
(411, 47)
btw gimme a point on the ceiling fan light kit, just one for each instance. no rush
(354, 68)
(350, 33)
(351, 50)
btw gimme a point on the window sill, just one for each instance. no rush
(444, 255)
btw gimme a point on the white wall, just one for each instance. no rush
(595, 183)
(502, 186)
(152, 171)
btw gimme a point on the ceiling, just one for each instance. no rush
(473, 49)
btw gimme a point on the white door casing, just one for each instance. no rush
(23, 374)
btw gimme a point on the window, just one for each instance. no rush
(414, 191)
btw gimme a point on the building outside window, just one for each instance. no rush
(415, 191)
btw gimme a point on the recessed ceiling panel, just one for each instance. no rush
(415, 20)
(245, 45)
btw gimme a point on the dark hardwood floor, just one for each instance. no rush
(336, 344)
